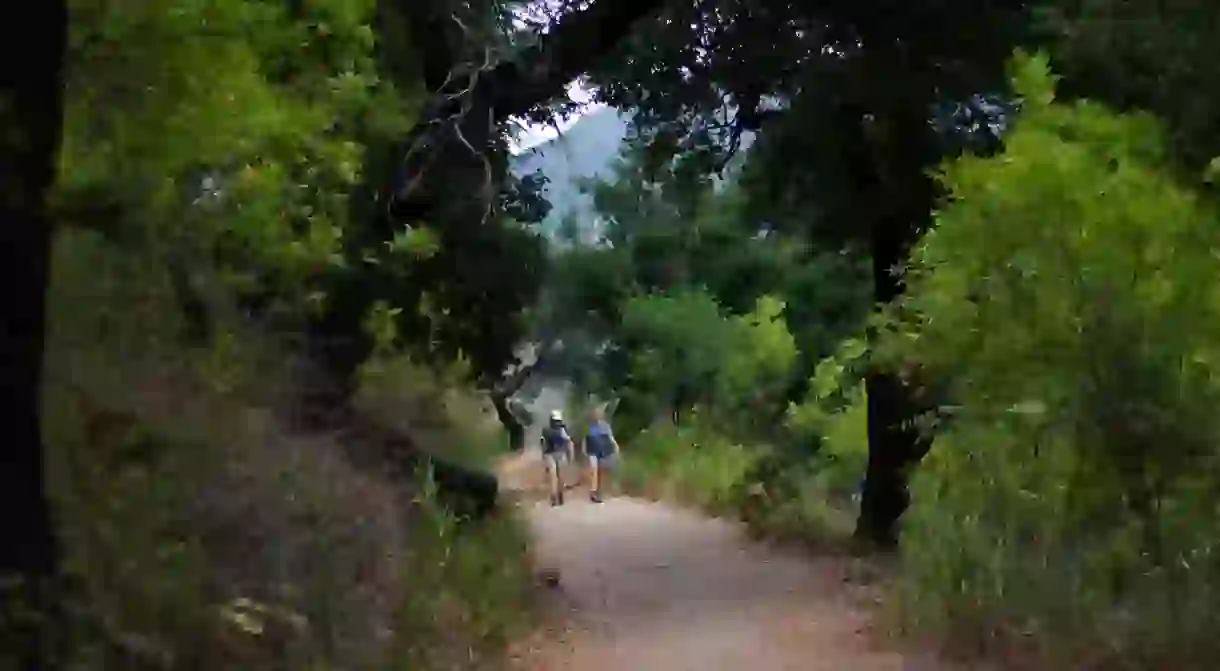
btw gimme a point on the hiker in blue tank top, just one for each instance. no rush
(600, 448)
(556, 445)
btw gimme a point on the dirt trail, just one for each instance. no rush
(646, 586)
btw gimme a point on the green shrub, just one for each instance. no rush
(811, 488)
(837, 385)
(691, 463)
(757, 367)
(216, 149)
(685, 350)
(800, 489)
(434, 408)
(1068, 293)
(469, 590)
(199, 528)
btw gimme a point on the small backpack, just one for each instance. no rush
(554, 437)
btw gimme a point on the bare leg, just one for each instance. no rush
(552, 476)
(595, 471)
(607, 477)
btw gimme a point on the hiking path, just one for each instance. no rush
(648, 586)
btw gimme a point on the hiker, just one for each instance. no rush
(556, 448)
(600, 449)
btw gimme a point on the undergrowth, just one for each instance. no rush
(802, 492)
(202, 533)
(1066, 516)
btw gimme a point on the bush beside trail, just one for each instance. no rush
(1058, 344)
(198, 527)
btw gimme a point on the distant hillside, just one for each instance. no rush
(584, 150)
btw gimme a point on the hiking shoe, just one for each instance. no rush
(595, 498)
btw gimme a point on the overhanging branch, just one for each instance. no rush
(543, 71)
(470, 99)
(512, 383)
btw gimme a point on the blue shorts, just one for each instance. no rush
(602, 460)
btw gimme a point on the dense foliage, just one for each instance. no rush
(267, 211)
(217, 199)
(841, 95)
(1078, 339)
(1054, 337)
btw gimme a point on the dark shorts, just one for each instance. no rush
(602, 460)
(599, 447)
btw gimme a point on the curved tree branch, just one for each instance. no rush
(470, 99)
(543, 71)
(501, 392)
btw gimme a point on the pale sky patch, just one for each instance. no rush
(532, 135)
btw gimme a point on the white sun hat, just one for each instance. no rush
(556, 416)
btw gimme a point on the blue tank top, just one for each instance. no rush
(599, 438)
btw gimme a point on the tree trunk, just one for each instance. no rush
(890, 442)
(511, 384)
(512, 424)
(33, 119)
(890, 449)
(901, 152)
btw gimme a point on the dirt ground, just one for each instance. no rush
(646, 586)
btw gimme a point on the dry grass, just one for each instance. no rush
(205, 535)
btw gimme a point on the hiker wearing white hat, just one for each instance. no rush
(556, 445)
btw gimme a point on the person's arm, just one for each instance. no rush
(613, 441)
(568, 444)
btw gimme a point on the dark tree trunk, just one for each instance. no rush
(511, 384)
(901, 151)
(33, 119)
(892, 443)
(891, 447)
(512, 423)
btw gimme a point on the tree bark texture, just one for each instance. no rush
(31, 111)
(893, 152)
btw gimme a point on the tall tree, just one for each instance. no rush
(449, 174)
(855, 83)
(1143, 55)
(32, 114)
